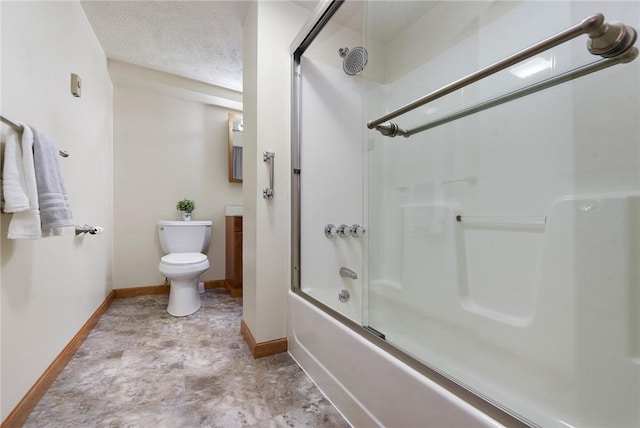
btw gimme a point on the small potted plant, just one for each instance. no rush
(186, 206)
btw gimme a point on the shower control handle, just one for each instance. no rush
(330, 231)
(344, 231)
(357, 231)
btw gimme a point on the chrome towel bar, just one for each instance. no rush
(609, 40)
(628, 56)
(18, 128)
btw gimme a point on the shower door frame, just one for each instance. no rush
(319, 18)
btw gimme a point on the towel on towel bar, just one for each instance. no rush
(52, 196)
(25, 224)
(14, 190)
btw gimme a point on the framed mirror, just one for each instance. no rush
(236, 127)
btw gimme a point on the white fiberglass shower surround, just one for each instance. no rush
(477, 261)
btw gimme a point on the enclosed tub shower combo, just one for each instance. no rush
(466, 212)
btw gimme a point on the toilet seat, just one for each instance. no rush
(181, 259)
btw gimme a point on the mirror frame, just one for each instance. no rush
(232, 117)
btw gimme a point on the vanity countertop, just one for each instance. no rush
(233, 210)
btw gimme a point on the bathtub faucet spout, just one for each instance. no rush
(348, 273)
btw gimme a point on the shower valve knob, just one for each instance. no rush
(330, 231)
(357, 231)
(344, 231)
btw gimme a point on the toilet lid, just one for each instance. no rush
(183, 258)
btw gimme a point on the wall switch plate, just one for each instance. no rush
(75, 85)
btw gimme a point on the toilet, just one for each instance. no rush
(185, 244)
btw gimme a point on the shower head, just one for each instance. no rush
(355, 60)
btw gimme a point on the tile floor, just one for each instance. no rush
(141, 367)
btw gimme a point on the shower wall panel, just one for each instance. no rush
(331, 169)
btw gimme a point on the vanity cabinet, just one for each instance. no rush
(233, 268)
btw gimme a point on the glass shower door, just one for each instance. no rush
(331, 169)
(503, 247)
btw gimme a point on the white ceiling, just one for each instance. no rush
(201, 40)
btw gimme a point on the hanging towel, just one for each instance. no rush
(25, 224)
(52, 196)
(14, 189)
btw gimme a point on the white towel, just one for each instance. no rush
(52, 195)
(26, 224)
(13, 184)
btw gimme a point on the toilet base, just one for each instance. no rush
(184, 298)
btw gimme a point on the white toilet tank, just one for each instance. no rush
(184, 236)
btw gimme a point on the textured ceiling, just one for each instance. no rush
(201, 40)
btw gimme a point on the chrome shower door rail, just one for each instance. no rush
(609, 40)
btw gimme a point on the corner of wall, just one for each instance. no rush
(269, 30)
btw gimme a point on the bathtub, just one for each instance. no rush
(370, 386)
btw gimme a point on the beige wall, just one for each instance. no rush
(50, 287)
(170, 142)
(269, 29)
